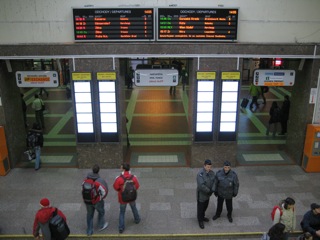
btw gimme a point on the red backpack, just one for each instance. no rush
(274, 212)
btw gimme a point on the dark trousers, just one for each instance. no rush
(228, 205)
(284, 126)
(254, 101)
(201, 209)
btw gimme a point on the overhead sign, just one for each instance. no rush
(273, 77)
(156, 77)
(206, 76)
(42, 79)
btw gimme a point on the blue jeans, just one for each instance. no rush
(37, 150)
(123, 211)
(99, 206)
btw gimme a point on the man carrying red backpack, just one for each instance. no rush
(94, 191)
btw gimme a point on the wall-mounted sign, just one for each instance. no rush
(81, 76)
(185, 24)
(273, 77)
(106, 76)
(41, 79)
(156, 77)
(206, 75)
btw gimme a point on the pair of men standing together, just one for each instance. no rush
(224, 185)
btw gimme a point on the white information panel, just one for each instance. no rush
(273, 77)
(156, 77)
(41, 79)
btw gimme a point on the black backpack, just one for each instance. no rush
(89, 191)
(32, 139)
(58, 227)
(129, 191)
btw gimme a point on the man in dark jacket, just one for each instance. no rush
(205, 184)
(98, 203)
(311, 221)
(226, 187)
(284, 114)
(35, 142)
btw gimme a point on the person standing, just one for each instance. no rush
(311, 221)
(35, 142)
(24, 110)
(226, 187)
(100, 187)
(284, 115)
(254, 91)
(37, 106)
(41, 221)
(118, 186)
(205, 184)
(274, 113)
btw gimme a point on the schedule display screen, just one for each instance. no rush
(113, 24)
(197, 24)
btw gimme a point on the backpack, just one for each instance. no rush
(129, 191)
(58, 227)
(32, 139)
(274, 211)
(89, 191)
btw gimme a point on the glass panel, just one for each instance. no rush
(204, 127)
(83, 107)
(108, 127)
(206, 86)
(227, 127)
(108, 107)
(82, 97)
(228, 107)
(229, 96)
(82, 87)
(108, 117)
(205, 96)
(230, 86)
(107, 97)
(107, 87)
(228, 117)
(204, 107)
(85, 128)
(204, 117)
(84, 118)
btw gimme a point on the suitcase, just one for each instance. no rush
(244, 102)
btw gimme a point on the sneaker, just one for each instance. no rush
(104, 226)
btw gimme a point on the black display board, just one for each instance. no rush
(113, 24)
(177, 24)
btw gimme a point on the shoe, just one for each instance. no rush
(215, 217)
(36, 169)
(206, 219)
(201, 225)
(121, 230)
(230, 219)
(137, 222)
(106, 224)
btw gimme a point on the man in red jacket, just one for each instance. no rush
(118, 186)
(42, 218)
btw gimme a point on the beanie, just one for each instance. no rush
(44, 202)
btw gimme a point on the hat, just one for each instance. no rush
(207, 162)
(44, 202)
(314, 206)
(226, 163)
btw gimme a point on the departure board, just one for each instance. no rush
(113, 24)
(197, 24)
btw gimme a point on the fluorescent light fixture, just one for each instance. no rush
(229, 96)
(228, 117)
(84, 118)
(204, 117)
(228, 107)
(230, 86)
(227, 127)
(204, 127)
(108, 117)
(82, 87)
(205, 86)
(85, 127)
(205, 96)
(204, 106)
(83, 107)
(107, 87)
(108, 107)
(82, 97)
(108, 127)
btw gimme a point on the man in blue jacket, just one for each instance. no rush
(311, 221)
(226, 188)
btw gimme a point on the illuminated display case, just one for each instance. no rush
(82, 86)
(204, 111)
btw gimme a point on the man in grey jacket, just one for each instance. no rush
(205, 184)
(226, 187)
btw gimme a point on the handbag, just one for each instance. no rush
(30, 154)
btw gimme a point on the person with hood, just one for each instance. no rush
(118, 186)
(205, 184)
(286, 214)
(226, 187)
(42, 218)
(311, 221)
(101, 188)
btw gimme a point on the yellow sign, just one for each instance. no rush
(81, 76)
(274, 84)
(106, 76)
(230, 75)
(206, 75)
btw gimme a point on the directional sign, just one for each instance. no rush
(273, 77)
(41, 79)
(156, 77)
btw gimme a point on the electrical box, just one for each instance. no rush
(311, 153)
(4, 159)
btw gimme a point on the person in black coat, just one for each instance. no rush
(311, 221)
(284, 114)
(274, 118)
